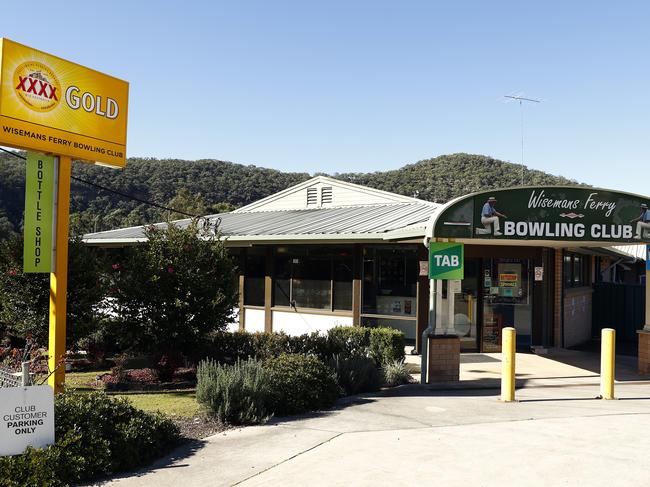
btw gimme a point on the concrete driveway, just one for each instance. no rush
(557, 434)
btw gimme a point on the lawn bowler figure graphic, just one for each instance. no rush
(642, 222)
(490, 219)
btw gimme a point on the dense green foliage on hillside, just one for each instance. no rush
(211, 186)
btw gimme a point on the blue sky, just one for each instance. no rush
(364, 86)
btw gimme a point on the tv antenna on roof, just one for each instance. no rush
(521, 99)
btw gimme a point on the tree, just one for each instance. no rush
(174, 289)
(24, 298)
(6, 227)
(188, 203)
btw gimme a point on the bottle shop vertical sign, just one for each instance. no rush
(40, 197)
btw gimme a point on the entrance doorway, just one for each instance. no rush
(507, 301)
(466, 307)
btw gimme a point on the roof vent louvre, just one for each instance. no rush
(326, 195)
(312, 196)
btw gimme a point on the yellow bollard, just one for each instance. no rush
(508, 341)
(607, 361)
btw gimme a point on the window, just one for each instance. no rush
(575, 270)
(390, 280)
(309, 277)
(254, 271)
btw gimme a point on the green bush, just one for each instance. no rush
(396, 373)
(95, 436)
(381, 344)
(235, 394)
(357, 374)
(315, 344)
(300, 383)
(229, 347)
(386, 345)
(350, 341)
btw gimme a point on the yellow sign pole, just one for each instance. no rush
(59, 279)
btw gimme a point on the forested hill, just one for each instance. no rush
(210, 186)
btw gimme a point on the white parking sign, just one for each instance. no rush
(26, 418)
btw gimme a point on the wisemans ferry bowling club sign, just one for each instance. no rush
(547, 213)
(51, 105)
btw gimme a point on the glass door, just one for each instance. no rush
(507, 301)
(465, 306)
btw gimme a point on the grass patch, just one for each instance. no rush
(84, 380)
(181, 404)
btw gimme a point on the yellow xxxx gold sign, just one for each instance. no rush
(51, 105)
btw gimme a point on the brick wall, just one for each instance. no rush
(444, 359)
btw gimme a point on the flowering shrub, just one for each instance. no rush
(171, 291)
(142, 376)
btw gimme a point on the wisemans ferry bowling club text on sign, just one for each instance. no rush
(51, 105)
(547, 213)
(26, 418)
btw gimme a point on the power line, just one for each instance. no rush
(104, 188)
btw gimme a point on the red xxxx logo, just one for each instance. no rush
(37, 86)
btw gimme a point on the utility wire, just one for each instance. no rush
(103, 188)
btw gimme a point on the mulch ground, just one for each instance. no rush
(200, 427)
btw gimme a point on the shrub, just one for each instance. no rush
(315, 344)
(95, 435)
(300, 383)
(229, 347)
(236, 394)
(381, 344)
(386, 345)
(350, 341)
(142, 376)
(357, 374)
(172, 290)
(396, 373)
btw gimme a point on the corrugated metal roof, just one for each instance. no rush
(357, 220)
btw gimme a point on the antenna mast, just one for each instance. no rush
(521, 99)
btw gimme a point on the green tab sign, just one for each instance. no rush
(446, 261)
(39, 213)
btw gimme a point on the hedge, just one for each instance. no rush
(380, 344)
(95, 436)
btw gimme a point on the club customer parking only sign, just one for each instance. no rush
(26, 418)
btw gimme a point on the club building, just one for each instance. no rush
(545, 260)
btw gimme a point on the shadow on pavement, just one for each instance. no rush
(185, 450)
(626, 365)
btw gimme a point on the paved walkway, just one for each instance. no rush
(567, 366)
(556, 434)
